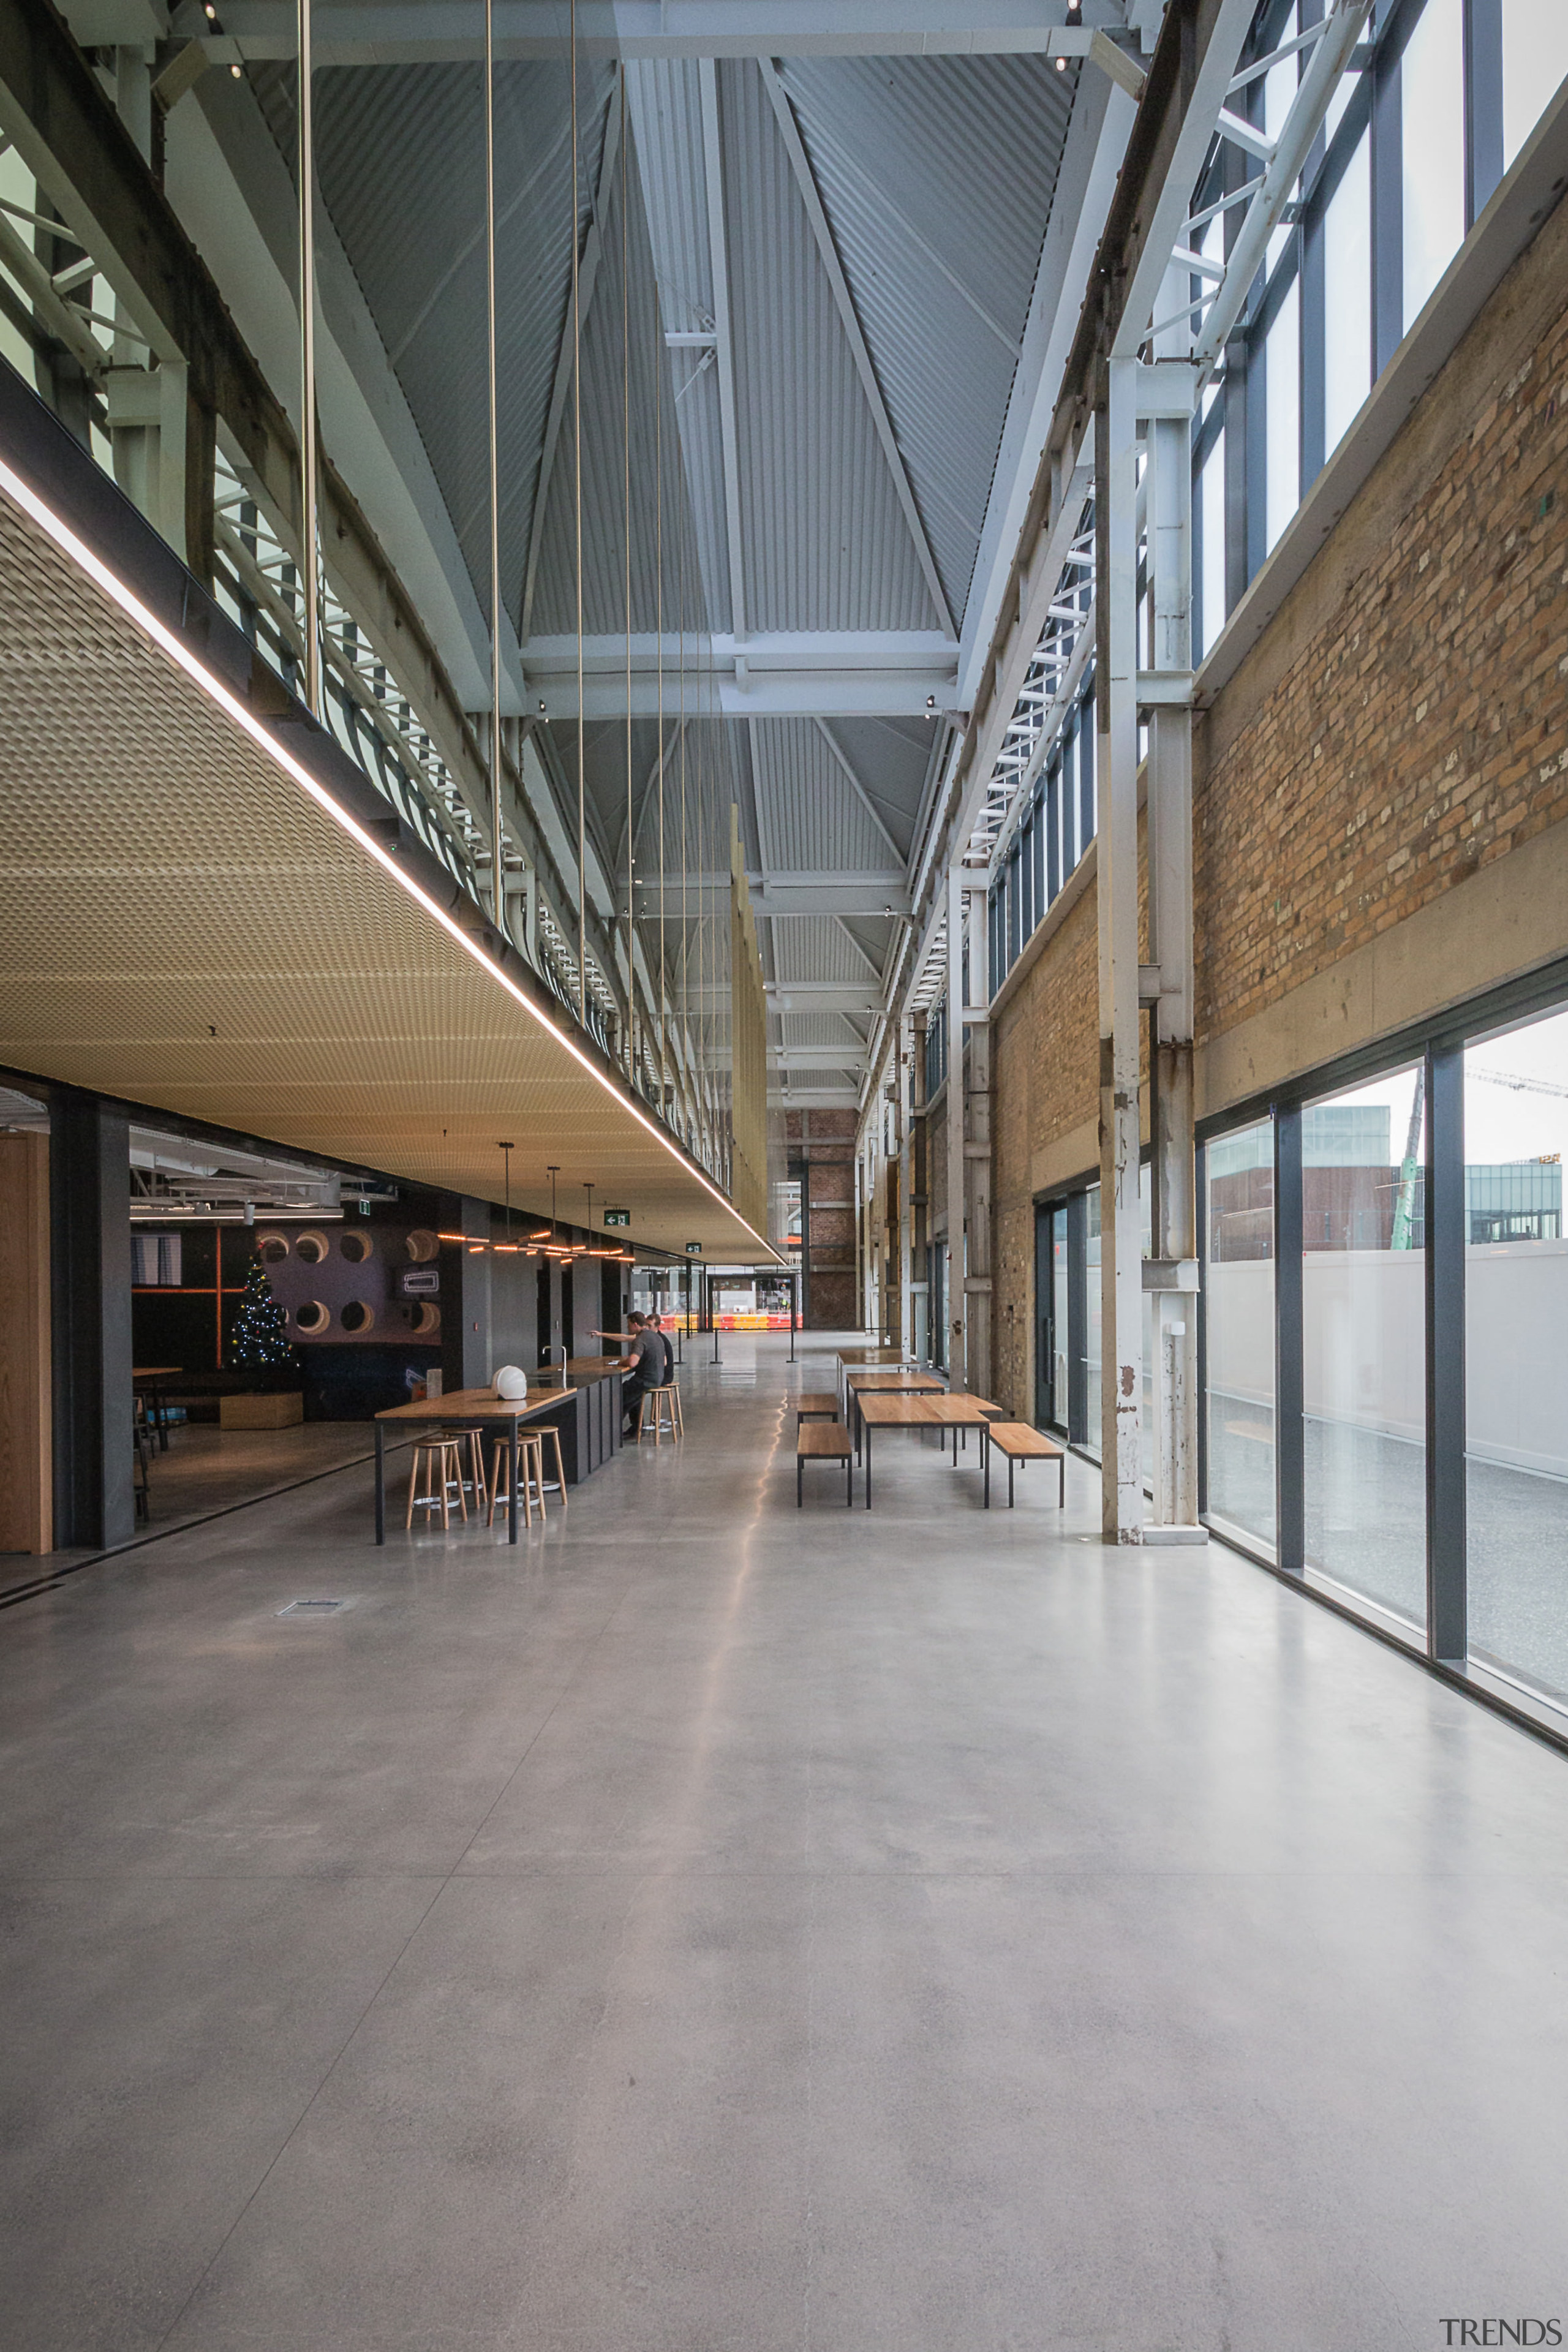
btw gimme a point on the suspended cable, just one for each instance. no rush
(498, 893)
(626, 499)
(658, 571)
(310, 532)
(685, 1107)
(577, 444)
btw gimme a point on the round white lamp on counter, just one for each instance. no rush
(511, 1384)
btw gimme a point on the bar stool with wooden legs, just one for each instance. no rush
(471, 1443)
(530, 1471)
(530, 1443)
(668, 1417)
(441, 1459)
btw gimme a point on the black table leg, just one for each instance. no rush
(985, 1459)
(512, 1536)
(1010, 1469)
(868, 1436)
(848, 1484)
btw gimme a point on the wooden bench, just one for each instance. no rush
(1019, 1442)
(815, 1404)
(823, 1441)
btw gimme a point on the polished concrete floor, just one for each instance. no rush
(207, 1469)
(712, 1927)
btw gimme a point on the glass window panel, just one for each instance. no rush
(1091, 1324)
(1238, 1308)
(1347, 297)
(1432, 150)
(1516, 1352)
(1211, 502)
(1087, 755)
(1283, 388)
(1278, 90)
(1344, 90)
(1535, 64)
(1364, 1321)
(1045, 817)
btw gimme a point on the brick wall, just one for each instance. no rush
(1420, 729)
(1402, 723)
(1046, 1086)
(825, 1141)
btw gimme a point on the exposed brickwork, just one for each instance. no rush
(1417, 730)
(1421, 733)
(1045, 1081)
(825, 1141)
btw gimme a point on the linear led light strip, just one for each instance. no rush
(115, 588)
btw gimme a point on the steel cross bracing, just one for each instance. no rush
(1217, 292)
(1027, 739)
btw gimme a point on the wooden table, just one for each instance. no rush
(155, 1375)
(473, 1408)
(851, 1359)
(904, 1383)
(878, 1410)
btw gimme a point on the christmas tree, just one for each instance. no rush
(260, 1338)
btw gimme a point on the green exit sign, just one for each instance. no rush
(693, 1249)
(617, 1216)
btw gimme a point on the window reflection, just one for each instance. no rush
(1363, 1162)
(1432, 151)
(1238, 1289)
(1516, 1352)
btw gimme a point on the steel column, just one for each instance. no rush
(977, 1291)
(1121, 1240)
(1170, 1275)
(957, 1261)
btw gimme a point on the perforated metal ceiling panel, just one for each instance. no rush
(183, 926)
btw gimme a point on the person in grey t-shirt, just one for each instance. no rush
(646, 1372)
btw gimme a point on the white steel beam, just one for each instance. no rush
(718, 251)
(419, 32)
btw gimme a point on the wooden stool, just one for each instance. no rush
(666, 1417)
(471, 1443)
(529, 1441)
(817, 1441)
(530, 1471)
(441, 1458)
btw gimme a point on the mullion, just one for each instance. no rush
(1290, 1385)
(1482, 22)
(1446, 1636)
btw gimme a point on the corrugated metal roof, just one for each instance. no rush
(808, 816)
(825, 542)
(816, 947)
(663, 101)
(891, 757)
(400, 163)
(937, 174)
